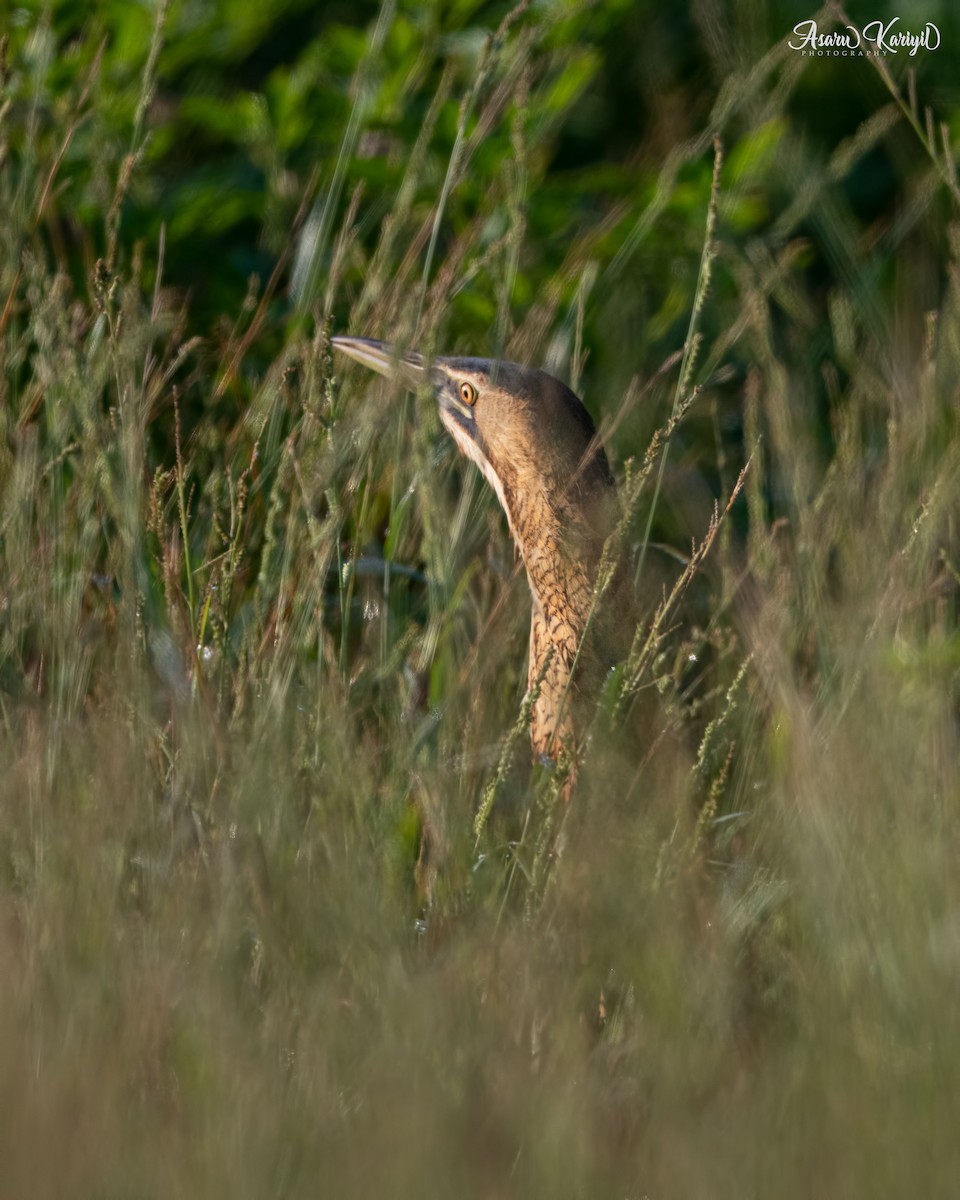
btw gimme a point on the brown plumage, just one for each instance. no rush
(537, 447)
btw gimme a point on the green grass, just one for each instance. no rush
(262, 658)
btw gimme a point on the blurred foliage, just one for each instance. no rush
(258, 110)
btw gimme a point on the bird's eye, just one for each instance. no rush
(468, 394)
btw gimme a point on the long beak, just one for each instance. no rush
(408, 368)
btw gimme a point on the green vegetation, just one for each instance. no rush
(278, 912)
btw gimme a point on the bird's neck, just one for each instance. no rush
(561, 543)
(561, 581)
(559, 560)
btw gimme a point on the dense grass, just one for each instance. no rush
(262, 657)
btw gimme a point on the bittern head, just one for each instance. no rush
(528, 433)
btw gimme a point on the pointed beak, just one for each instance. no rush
(408, 367)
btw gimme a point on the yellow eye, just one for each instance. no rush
(468, 394)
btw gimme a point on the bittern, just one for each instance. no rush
(536, 445)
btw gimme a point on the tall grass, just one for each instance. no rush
(257, 677)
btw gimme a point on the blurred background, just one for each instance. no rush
(576, 149)
(280, 904)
